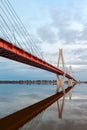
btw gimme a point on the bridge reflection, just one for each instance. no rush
(19, 118)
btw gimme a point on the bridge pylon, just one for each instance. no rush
(60, 83)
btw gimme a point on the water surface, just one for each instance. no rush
(15, 97)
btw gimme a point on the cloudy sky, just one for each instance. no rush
(53, 25)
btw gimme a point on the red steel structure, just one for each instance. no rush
(10, 51)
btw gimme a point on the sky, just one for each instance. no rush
(52, 25)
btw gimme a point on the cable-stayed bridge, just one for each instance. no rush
(17, 44)
(12, 52)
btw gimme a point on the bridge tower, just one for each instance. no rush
(60, 83)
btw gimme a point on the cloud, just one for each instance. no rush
(70, 29)
(69, 25)
(79, 54)
(47, 34)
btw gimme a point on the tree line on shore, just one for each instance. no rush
(53, 82)
(28, 82)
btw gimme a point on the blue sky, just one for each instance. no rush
(53, 25)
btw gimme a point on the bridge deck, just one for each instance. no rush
(8, 50)
(19, 118)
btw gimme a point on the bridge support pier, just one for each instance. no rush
(70, 82)
(60, 84)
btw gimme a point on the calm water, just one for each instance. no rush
(15, 97)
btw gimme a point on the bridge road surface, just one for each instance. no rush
(10, 51)
(19, 118)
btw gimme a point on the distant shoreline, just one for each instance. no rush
(53, 82)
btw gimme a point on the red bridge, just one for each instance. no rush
(10, 51)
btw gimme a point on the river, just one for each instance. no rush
(14, 97)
